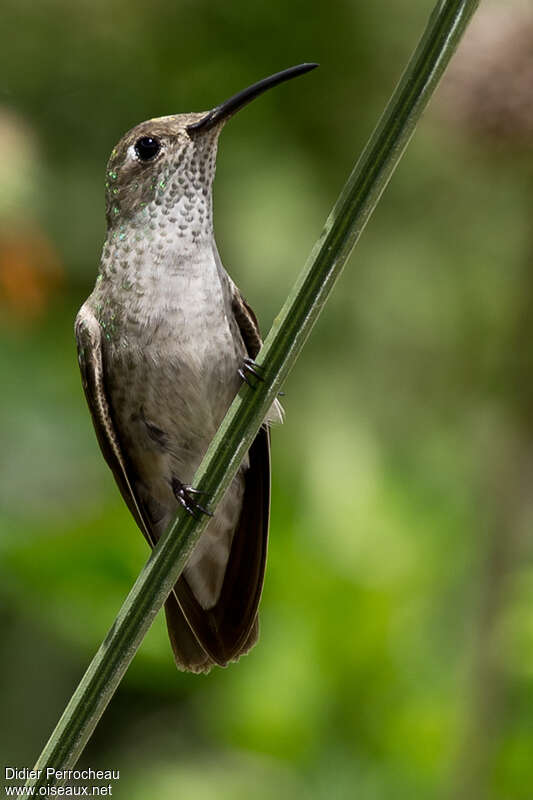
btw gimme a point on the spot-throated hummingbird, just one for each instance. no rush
(163, 342)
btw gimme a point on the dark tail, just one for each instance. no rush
(188, 652)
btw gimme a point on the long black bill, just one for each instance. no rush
(241, 99)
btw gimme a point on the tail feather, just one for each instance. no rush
(189, 655)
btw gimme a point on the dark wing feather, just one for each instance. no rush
(247, 322)
(89, 341)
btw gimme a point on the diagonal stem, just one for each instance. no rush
(278, 354)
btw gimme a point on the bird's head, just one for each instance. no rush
(162, 170)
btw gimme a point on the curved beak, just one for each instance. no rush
(229, 107)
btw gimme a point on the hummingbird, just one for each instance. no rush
(164, 342)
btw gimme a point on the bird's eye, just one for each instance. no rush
(147, 147)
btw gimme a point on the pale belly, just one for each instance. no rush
(169, 395)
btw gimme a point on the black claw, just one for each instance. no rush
(203, 510)
(245, 378)
(183, 496)
(255, 369)
(192, 490)
(249, 367)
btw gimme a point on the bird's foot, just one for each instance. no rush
(185, 496)
(249, 367)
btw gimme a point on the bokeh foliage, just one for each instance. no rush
(397, 633)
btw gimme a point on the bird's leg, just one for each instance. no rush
(184, 496)
(249, 367)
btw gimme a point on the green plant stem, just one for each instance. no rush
(280, 350)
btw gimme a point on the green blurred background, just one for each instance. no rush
(396, 656)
